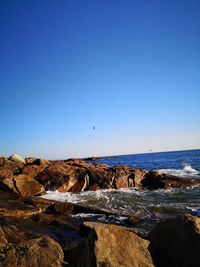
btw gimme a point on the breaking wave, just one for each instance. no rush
(186, 171)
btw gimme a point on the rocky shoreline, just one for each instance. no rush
(40, 232)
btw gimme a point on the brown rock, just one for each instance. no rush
(136, 176)
(21, 184)
(15, 167)
(33, 170)
(100, 176)
(120, 178)
(22, 219)
(2, 161)
(44, 162)
(5, 173)
(27, 186)
(110, 245)
(176, 242)
(30, 160)
(38, 252)
(60, 176)
(6, 182)
(78, 163)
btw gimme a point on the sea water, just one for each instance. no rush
(148, 206)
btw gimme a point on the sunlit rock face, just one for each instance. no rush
(110, 245)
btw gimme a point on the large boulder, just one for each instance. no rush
(38, 252)
(22, 185)
(60, 176)
(176, 242)
(27, 186)
(110, 245)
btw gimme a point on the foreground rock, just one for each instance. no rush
(33, 228)
(24, 220)
(176, 242)
(38, 252)
(110, 245)
(21, 184)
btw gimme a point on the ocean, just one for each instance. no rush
(148, 206)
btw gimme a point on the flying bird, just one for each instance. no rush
(93, 127)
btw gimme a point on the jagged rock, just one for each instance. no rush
(155, 180)
(78, 163)
(21, 184)
(33, 170)
(110, 245)
(27, 186)
(60, 176)
(137, 176)
(124, 177)
(176, 242)
(38, 252)
(120, 178)
(17, 158)
(100, 176)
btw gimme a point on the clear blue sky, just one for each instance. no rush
(131, 68)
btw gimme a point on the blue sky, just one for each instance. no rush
(131, 68)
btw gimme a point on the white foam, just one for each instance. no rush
(186, 171)
(63, 197)
(84, 196)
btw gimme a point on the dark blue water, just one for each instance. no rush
(176, 160)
